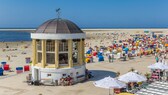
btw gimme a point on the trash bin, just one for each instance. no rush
(26, 68)
(19, 70)
(3, 63)
(1, 71)
(27, 59)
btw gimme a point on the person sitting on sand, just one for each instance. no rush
(69, 80)
(62, 81)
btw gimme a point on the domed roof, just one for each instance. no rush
(58, 26)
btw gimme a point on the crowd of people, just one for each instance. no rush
(138, 45)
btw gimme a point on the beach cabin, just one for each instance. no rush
(58, 51)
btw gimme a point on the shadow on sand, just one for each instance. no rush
(100, 74)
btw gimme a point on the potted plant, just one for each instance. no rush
(148, 75)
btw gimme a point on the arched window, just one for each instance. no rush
(50, 51)
(63, 52)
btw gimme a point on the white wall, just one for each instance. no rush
(56, 74)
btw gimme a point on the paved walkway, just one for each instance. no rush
(156, 88)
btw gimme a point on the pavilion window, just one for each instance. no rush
(50, 45)
(63, 52)
(63, 46)
(50, 58)
(39, 57)
(75, 51)
(50, 51)
(39, 48)
(39, 51)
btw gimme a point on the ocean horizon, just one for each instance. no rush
(14, 36)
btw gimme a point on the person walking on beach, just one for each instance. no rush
(112, 57)
(157, 59)
(109, 57)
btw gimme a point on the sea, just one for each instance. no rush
(14, 36)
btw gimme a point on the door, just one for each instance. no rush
(36, 74)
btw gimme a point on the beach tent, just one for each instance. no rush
(126, 50)
(109, 83)
(99, 54)
(88, 52)
(94, 53)
(132, 77)
(100, 58)
(166, 45)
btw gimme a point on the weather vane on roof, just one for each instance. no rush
(58, 12)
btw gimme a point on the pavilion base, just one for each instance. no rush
(54, 75)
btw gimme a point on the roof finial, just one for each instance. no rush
(58, 12)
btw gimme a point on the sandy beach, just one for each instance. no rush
(89, 47)
(14, 84)
(17, 51)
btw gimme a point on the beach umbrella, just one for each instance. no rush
(109, 83)
(132, 77)
(159, 65)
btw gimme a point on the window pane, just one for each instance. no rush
(39, 54)
(63, 58)
(66, 46)
(63, 45)
(75, 57)
(39, 45)
(50, 45)
(75, 52)
(60, 46)
(50, 58)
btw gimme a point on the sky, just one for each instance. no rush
(86, 13)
